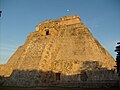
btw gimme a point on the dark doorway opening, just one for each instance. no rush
(57, 76)
(84, 76)
(47, 32)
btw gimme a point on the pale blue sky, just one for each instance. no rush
(19, 18)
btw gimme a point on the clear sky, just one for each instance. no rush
(19, 18)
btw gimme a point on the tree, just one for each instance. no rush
(118, 58)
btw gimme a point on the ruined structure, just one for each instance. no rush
(61, 50)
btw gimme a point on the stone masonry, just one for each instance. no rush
(63, 50)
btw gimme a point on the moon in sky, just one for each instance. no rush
(68, 10)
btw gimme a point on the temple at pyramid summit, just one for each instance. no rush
(58, 53)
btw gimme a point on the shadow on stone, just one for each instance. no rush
(92, 76)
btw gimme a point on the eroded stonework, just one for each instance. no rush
(64, 47)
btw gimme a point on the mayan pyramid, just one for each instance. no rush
(60, 46)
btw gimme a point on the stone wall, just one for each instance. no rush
(62, 50)
(70, 22)
(26, 78)
(4, 72)
(60, 22)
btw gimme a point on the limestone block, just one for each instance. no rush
(37, 28)
(70, 22)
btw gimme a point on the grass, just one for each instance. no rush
(53, 88)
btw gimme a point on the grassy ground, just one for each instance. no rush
(52, 88)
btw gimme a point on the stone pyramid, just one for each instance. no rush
(60, 46)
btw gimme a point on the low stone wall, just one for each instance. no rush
(88, 84)
(40, 79)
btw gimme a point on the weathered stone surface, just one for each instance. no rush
(64, 47)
